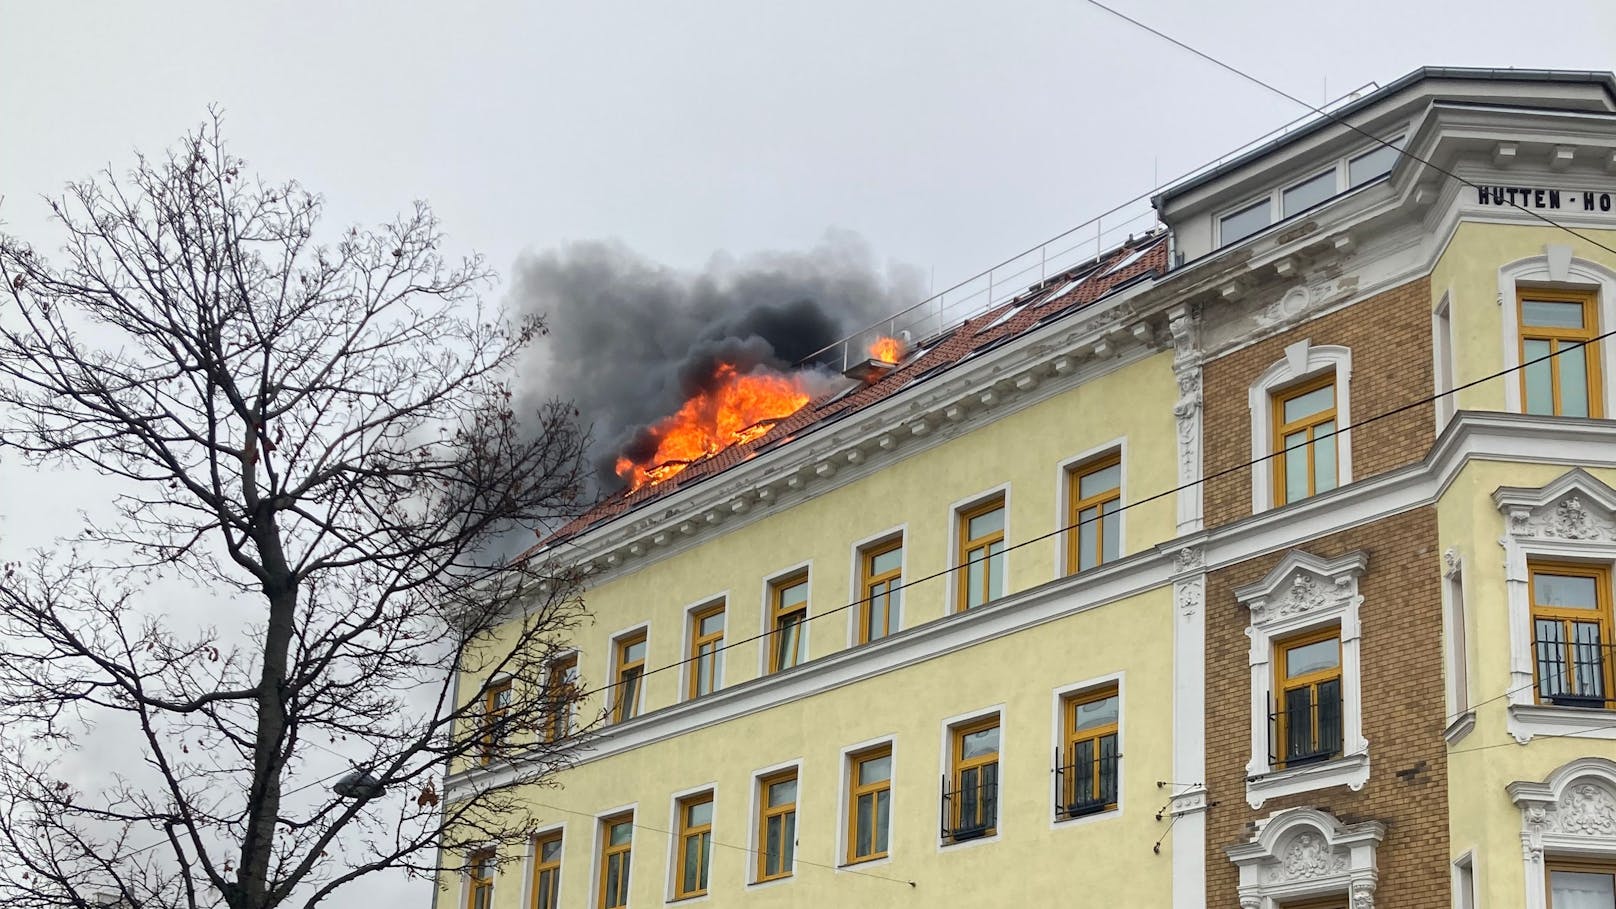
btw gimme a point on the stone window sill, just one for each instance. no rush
(1351, 771)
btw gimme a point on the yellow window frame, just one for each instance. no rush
(1307, 423)
(779, 613)
(480, 879)
(546, 874)
(856, 791)
(699, 834)
(873, 585)
(1602, 613)
(1558, 338)
(496, 701)
(961, 764)
(1285, 683)
(1076, 505)
(766, 813)
(1573, 866)
(1075, 737)
(970, 548)
(629, 677)
(560, 694)
(704, 650)
(610, 852)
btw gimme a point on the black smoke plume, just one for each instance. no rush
(630, 339)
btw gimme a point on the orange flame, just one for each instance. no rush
(738, 408)
(887, 350)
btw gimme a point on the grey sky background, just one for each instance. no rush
(949, 135)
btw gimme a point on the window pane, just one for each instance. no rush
(1573, 381)
(772, 845)
(1319, 399)
(1324, 457)
(782, 793)
(878, 617)
(1368, 166)
(1112, 527)
(1102, 712)
(788, 642)
(1539, 379)
(984, 524)
(630, 693)
(550, 851)
(1295, 467)
(1098, 481)
(875, 770)
(886, 561)
(699, 814)
(789, 841)
(1588, 657)
(613, 885)
(622, 833)
(1243, 223)
(634, 652)
(883, 818)
(691, 872)
(1550, 314)
(712, 624)
(1581, 890)
(1088, 533)
(974, 581)
(1553, 677)
(864, 841)
(1325, 654)
(704, 674)
(1308, 193)
(976, 744)
(794, 594)
(1565, 591)
(995, 571)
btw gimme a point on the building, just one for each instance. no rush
(1263, 561)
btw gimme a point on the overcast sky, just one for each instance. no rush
(949, 135)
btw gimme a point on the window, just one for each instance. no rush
(561, 692)
(1086, 782)
(695, 845)
(1304, 440)
(616, 843)
(630, 669)
(880, 587)
(480, 880)
(1308, 695)
(706, 650)
(1245, 222)
(869, 809)
(1555, 325)
(788, 610)
(1374, 163)
(1442, 353)
(981, 553)
(496, 703)
(1307, 193)
(971, 809)
(1458, 649)
(547, 871)
(1571, 632)
(1464, 883)
(1093, 513)
(1581, 885)
(777, 825)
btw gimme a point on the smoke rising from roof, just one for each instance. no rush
(631, 339)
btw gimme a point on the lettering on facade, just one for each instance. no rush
(1543, 198)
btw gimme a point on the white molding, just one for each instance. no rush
(1572, 813)
(1302, 360)
(1551, 268)
(1444, 363)
(1189, 727)
(1184, 324)
(1305, 592)
(1455, 636)
(955, 509)
(1571, 517)
(1063, 496)
(766, 607)
(1058, 736)
(946, 771)
(855, 576)
(1299, 853)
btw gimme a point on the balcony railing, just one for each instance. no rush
(1087, 784)
(1306, 727)
(1574, 672)
(970, 809)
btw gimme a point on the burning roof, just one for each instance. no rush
(742, 414)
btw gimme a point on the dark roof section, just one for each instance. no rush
(1052, 298)
(1602, 78)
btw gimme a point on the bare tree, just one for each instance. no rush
(323, 437)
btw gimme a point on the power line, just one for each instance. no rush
(1332, 117)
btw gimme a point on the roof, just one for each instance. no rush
(1051, 299)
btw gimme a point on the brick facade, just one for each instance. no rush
(1401, 650)
(1389, 335)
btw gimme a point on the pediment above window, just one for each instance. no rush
(1300, 853)
(1303, 585)
(1573, 811)
(1575, 507)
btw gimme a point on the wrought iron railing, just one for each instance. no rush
(1572, 667)
(970, 806)
(1306, 726)
(1086, 782)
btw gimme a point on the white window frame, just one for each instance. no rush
(955, 511)
(1057, 710)
(1455, 637)
(855, 593)
(1275, 196)
(688, 665)
(946, 771)
(1303, 360)
(1063, 498)
(1463, 871)
(1568, 814)
(1556, 267)
(1444, 364)
(766, 617)
(843, 803)
(1572, 518)
(754, 807)
(1302, 593)
(1302, 853)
